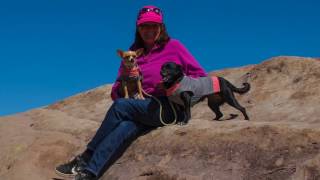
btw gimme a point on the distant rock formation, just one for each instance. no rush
(280, 142)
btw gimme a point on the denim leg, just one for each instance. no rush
(121, 110)
(124, 120)
(107, 125)
(110, 144)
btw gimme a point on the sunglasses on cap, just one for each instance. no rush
(144, 10)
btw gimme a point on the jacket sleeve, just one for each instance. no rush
(191, 66)
(115, 94)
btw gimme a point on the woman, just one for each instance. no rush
(127, 118)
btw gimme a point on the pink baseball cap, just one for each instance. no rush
(149, 14)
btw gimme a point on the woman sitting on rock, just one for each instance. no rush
(127, 118)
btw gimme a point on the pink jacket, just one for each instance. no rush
(150, 66)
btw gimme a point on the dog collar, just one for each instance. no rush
(172, 89)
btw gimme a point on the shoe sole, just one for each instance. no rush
(65, 175)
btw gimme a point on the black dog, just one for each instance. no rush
(188, 91)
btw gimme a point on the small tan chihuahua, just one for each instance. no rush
(130, 77)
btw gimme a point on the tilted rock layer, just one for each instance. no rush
(280, 142)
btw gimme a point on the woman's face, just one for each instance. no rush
(149, 32)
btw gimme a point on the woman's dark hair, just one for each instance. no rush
(162, 41)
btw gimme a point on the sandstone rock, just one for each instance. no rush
(280, 142)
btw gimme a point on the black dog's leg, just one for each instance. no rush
(214, 105)
(186, 98)
(216, 110)
(232, 101)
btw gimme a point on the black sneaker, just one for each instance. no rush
(71, 168)
(85, 175)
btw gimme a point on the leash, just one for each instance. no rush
(160, 117)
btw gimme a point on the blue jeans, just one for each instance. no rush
(125, 119)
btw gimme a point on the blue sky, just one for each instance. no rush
(53, 49)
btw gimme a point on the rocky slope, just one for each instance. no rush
(280, 142)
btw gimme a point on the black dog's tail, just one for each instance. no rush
(244, 89)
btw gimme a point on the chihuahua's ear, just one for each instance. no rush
(120, 52)
(139, 52)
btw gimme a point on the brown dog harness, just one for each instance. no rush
(130, 74)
